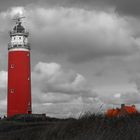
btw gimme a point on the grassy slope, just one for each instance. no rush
(88, 127)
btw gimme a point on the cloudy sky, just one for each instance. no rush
(85, 53)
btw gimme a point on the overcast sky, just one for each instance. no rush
(85, 53)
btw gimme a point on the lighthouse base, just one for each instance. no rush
(28, 117)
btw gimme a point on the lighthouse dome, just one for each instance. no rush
(19, 28)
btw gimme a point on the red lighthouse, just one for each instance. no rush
(19, 77)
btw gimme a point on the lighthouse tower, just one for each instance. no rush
(19, 78)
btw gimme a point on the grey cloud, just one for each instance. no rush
(3, 92)
(6, 4)
(136, 80)
(71, 109)
(54, 86)
(79, 3)
(81, 35)
(126, 7)
(76, 34)
(119, 98)
(131, 98)
(50, 77)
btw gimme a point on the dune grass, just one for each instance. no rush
(86, 127)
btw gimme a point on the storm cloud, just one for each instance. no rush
(55, 87)
(84, 53)
(80, 35)
(125, 7)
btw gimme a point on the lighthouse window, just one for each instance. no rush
(19, 37)
(12, 90)
(12, 66)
